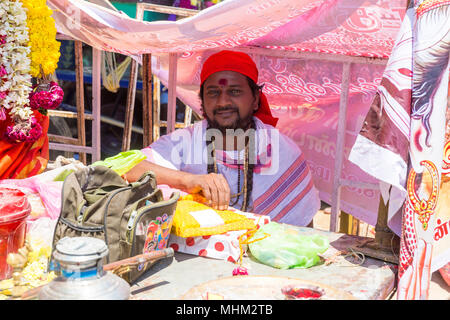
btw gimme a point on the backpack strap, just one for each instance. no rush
(81, 208)
(144, 178)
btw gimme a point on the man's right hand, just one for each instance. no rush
(214, 188)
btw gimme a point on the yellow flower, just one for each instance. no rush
(42, 38)
(35, 270)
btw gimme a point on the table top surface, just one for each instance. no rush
(361, 276)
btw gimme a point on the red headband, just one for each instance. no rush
(239, 62)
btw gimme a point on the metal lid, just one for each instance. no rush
(78, 250)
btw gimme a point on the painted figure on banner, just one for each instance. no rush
(425, 210)
(306, 97)
(406, 136)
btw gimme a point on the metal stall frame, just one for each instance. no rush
(151, 115)
(62, 143)
(347, 62)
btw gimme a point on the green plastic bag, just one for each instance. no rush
(286, 247)
(63, 175)
(122, 162)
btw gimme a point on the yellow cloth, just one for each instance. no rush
(190, 210)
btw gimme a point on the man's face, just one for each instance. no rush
(228, 101)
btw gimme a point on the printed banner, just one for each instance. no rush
(408, 128)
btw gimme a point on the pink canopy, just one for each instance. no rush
(299, 46)
(322, 63)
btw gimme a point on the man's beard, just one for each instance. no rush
(239, 123)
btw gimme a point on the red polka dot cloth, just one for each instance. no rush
(223, 246)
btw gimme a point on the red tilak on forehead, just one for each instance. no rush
(223, 82)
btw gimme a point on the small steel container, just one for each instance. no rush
(78, 262)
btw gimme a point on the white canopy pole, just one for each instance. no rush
(340, 144)
(96, 103)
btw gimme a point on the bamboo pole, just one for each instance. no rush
(131, 93)
(81, 125)
(147, 109)
(131, 97)
(156, 107)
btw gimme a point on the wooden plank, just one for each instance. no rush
(355, 226)
(344, 222)
(147, 99)
(70, 147)
(67, 114)
(178, 125)
(79, 92)
(62, 139)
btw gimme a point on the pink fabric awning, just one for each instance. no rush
(286, 39)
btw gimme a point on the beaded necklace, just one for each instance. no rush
(245, 186)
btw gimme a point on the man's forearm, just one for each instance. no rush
(170, 177)
(214, 187)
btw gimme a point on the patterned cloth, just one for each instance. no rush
(24, 159)
(193, 219)
(282, 185)
(223, 246)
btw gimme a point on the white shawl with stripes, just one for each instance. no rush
(282, 184)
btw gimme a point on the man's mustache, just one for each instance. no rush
(224, 109)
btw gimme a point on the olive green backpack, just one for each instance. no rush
(132, 218)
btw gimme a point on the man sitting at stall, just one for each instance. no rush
(235, 157)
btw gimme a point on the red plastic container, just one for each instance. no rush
(14, 209)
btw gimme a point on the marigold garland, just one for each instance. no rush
(42, 38)
(28, 48)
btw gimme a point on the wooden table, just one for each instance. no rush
(364, 278)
